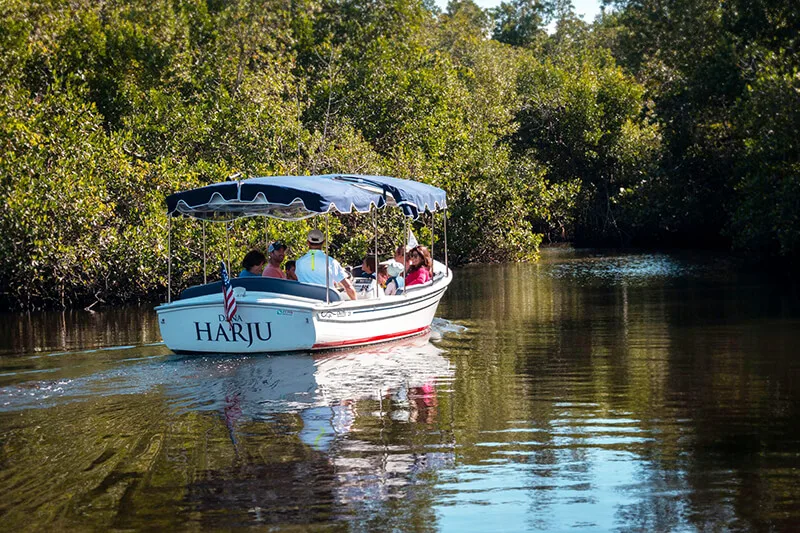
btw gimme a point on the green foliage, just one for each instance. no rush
(581, 117)
(722, 79)
(520, 22)
(662, 121)
(766, 219)
(58, 219)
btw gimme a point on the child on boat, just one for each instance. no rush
(253, 264)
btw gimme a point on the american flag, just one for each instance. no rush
(227, 293)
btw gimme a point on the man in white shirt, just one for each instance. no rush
(311, 267)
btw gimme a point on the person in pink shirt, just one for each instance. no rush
(277, 252)
(420, 266)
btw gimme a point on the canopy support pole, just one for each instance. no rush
(327, 259)
(405, 250)
(266, 235)
(433, 239)
(446, 266)
(228, 248)
(205, 274)
(375, 225)
(169, 258)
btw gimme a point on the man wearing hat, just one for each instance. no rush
(311, 267)
(277, 252)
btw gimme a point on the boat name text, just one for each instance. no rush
(236, 331)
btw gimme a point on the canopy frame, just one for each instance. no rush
(216, 203)
(293, 198)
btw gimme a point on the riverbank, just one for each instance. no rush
(579, 134)
(134, 323)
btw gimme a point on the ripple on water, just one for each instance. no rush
(589, 393)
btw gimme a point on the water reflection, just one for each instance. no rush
(293, 427)
(588, 392)
(51, 331)
(262, 385)
(634, 393)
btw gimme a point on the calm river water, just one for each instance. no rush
(587, 392)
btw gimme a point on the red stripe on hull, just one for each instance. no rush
(369, 340)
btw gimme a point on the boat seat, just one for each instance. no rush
(276, 285)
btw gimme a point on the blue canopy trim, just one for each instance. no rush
(299, 197)
(413, 197)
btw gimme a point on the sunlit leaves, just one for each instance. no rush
(582, 117)
(662, 118)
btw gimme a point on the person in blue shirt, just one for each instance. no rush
(253, 264)
(311, 267)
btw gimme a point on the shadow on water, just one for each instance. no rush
(589, 391)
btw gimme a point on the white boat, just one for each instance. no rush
(276, 315)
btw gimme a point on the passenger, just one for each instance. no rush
(277, 252)
(426, 253)
(389, 284)
(401, 252)
(290, 270)
(311, 267)
(367, 268)
(252, 264)
(365, 285)
(356, 271)
(420, 266)
(395, 266)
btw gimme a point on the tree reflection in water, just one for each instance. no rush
(589, 391)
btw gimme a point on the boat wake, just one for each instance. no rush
(262, 384)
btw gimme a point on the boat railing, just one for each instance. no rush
(436, 279)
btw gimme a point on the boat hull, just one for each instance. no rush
(269, 323)
(382, 321)
(257, 327)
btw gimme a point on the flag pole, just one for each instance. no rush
(228, 248)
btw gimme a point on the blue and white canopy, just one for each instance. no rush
(299, 197)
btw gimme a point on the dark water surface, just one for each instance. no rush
(588, 392)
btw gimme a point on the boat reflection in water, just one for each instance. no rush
(324, 389)
(345, 400)
(227, 441)
(268, 384)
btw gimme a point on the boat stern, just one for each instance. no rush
(260, 326)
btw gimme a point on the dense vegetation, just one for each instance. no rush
(663, 122)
